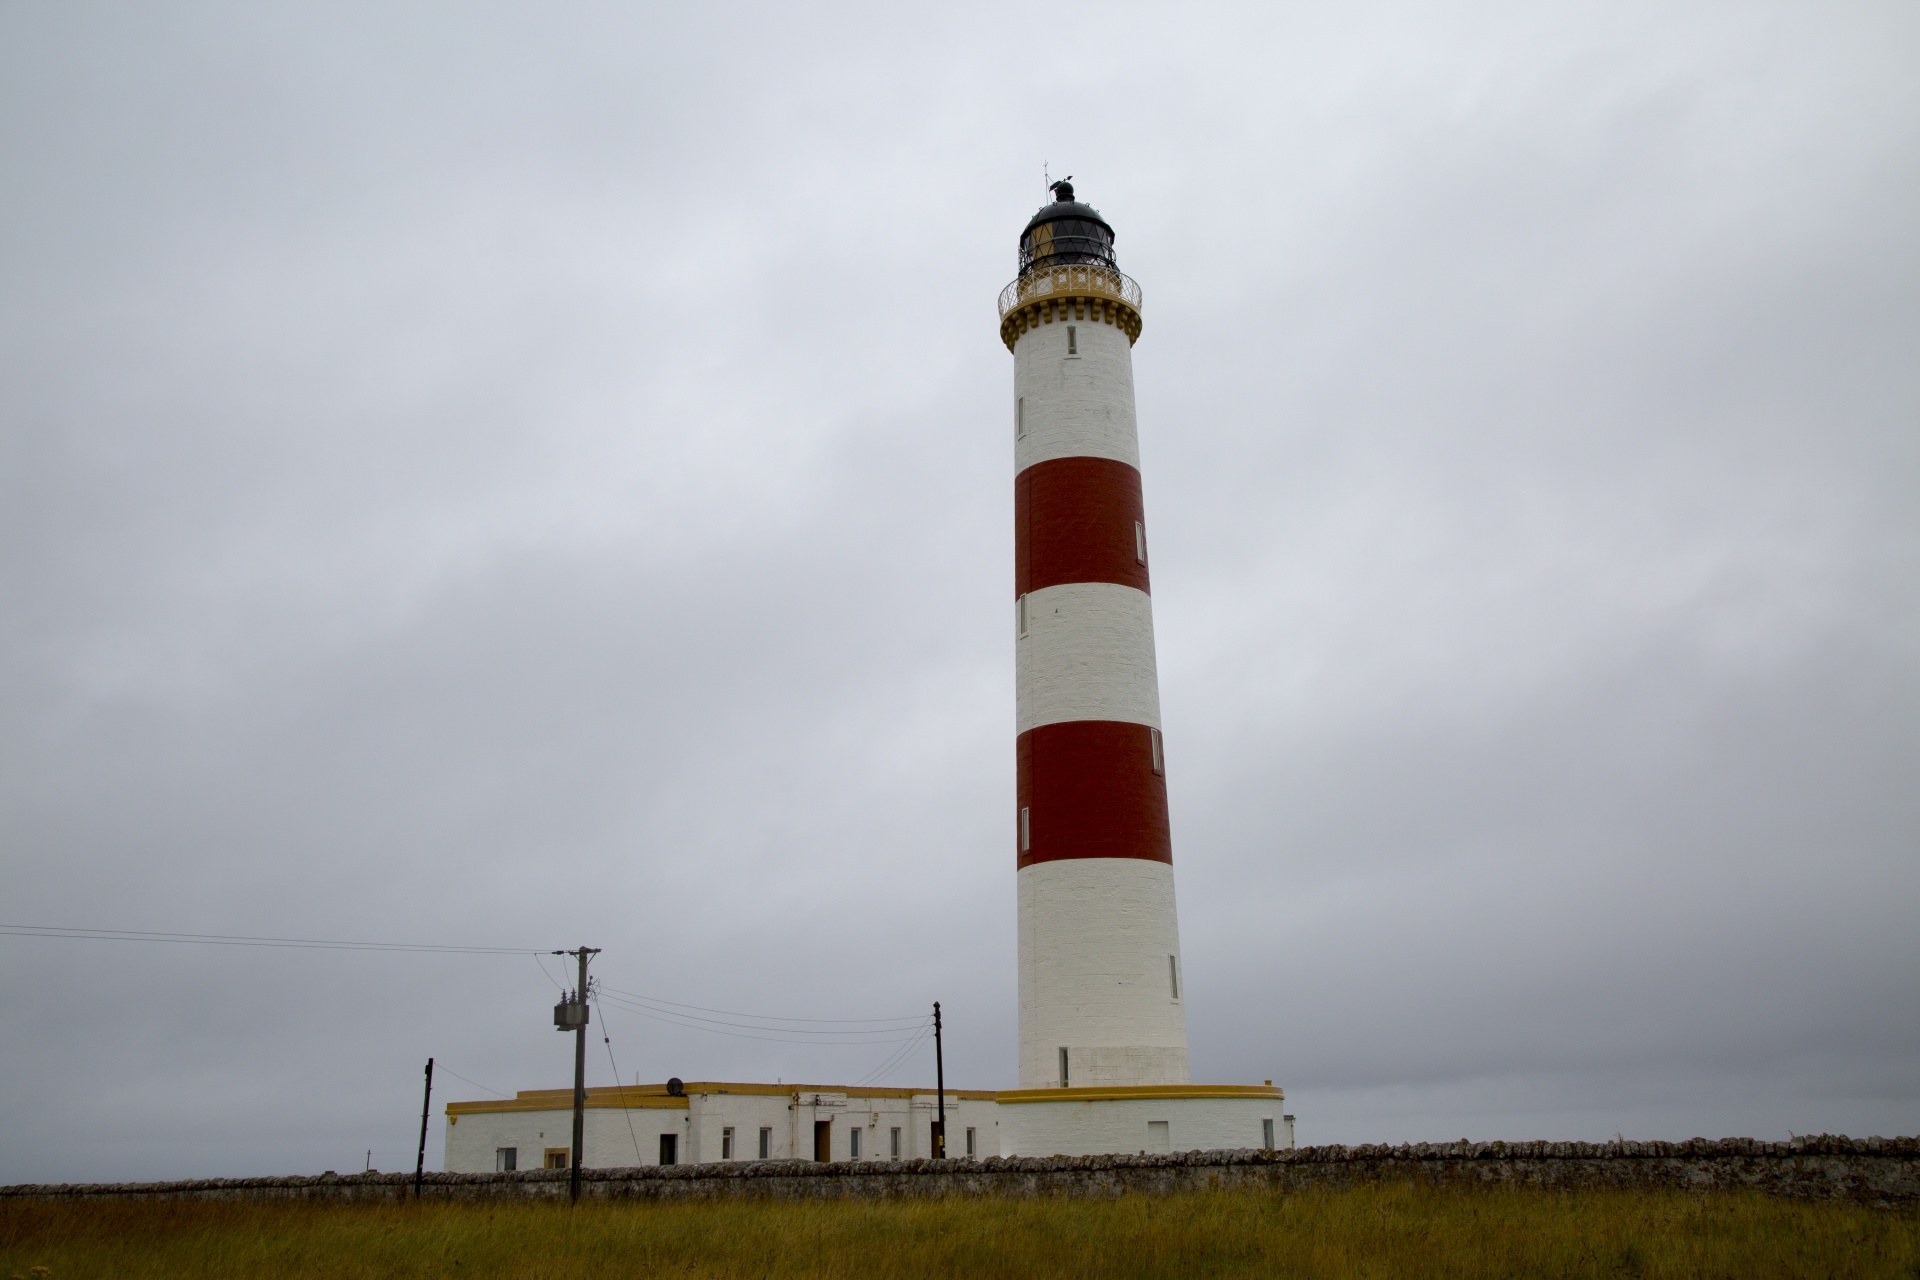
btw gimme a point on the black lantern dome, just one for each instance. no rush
(1065, 232)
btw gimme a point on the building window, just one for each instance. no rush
(506, 1159)
(1158, 751)
(1266, 1133)
(893, 1144)
(853, 1144)
(1139, 543)
(1020, 616)
(669, 1148)
(557, 1157)
(970, 1142)
(1020, 418)
(1159, 1137)
(1173, 975)
(1026, 829)
(766, 1144)
(1064, 1077)
(1073, 340)
(726, 1144)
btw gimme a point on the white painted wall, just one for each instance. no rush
(1027, 1128)
(1095, 934)
(1087, 655)
(1076, 406)
(711, 1113)
(1119, 1125)
(473, 1138)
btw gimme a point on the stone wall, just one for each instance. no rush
(1883, 1171)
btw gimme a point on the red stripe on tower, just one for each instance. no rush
(1078, 520)
(1092, 789)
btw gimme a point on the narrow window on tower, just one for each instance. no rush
(1139, 542)
(1173, 975)
(1020, 616)
(1020, 418)
(1073, 340)
(1026, 829)
(1064, 1077)
(1158, 753)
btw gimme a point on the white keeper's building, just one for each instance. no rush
(703, 1121)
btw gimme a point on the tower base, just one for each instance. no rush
(1149, 1119)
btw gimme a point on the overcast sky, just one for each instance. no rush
(533, 475)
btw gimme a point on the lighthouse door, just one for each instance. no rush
(823, 1140)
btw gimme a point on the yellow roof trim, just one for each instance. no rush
(564, 1102)
(644, 1096)
(1114, 1093)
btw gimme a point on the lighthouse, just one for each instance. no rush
(1101, 997)
(1099, 938)
(1103, 1025)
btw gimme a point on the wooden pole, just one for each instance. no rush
(420, 1161)
(579, 1083)
(939, 1089)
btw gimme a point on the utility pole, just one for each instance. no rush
(420, 1161)
(571, 1015)
(939, 1090)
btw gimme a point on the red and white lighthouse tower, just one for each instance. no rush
(1103, 1026)
(1100, 999)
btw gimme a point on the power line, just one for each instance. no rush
(246, 940)
(607, 1037)
(873, 1035)
(542, 962)
(899, 1056)
(792, 1037)
(764, 1027)
(879, 1029)
(778, 1035)
(764, 1017)
(475, 1083)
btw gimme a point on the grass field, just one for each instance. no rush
(1385, 1231)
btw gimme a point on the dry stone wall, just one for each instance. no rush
(1882, 1171)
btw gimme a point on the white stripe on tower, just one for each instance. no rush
(1100, 998)
(1087, 655)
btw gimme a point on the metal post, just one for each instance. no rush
(939, 1089)
(420, 1162)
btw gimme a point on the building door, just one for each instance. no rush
(823, 1140)
(669, 1148)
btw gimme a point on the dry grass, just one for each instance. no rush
(1384, 1231)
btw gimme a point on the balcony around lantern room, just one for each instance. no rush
(1046, 283)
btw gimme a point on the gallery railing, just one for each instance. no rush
(1069, 281)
